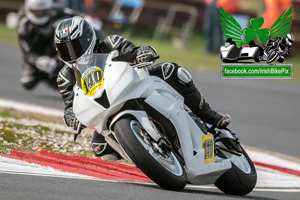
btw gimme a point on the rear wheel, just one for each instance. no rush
(157, 161)
(241, 178)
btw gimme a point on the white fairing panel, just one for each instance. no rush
(190, 140)
(121, 83)
(119, 78)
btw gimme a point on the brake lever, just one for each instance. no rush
(155, 57)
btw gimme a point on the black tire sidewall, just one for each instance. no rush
(143, 160)
(235, 181)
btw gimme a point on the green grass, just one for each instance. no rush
(8, 35)
(192, 56)
(21, 137)
(6, 113)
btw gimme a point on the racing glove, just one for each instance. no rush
(224, 121)
(47, 65)
(70, 119)
(146, 54)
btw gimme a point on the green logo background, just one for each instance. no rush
(232, 29)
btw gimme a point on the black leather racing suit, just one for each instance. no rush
(36, 41)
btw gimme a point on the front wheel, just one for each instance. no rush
(241, 178)
(156, 161)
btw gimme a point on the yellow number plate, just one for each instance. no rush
(208, 147)
(92, 80)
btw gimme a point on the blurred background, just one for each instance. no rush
(186, 25)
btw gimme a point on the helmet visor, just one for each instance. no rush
(70, 51)
(39, 13)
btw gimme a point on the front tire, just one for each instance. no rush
(236, 181)
(167, 173)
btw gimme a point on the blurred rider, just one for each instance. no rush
(36, 26)
(74, 38)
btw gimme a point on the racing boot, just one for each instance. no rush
(196, 102)
(103, 150)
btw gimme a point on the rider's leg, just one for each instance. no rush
(102, 149)
(181, 80)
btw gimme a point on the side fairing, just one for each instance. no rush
(119, 79)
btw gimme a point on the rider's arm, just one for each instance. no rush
(65, 83)
(25, 41)
(127, 50)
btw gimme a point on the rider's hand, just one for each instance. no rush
(75, 124)
(46, 64)
(145, 54)
(71, 121)
(224, 121)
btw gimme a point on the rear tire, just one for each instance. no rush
(174, 179)
(237, 182)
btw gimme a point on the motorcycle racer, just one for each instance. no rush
(36, 25)
(74, 38)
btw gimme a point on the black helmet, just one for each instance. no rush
(74, 38)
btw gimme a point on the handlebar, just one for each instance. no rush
(141, 65)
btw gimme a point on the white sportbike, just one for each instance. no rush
(144, 119)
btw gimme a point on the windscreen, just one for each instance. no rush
(89, 73)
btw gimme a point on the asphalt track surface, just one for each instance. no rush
(20, 186)
(265, 115)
